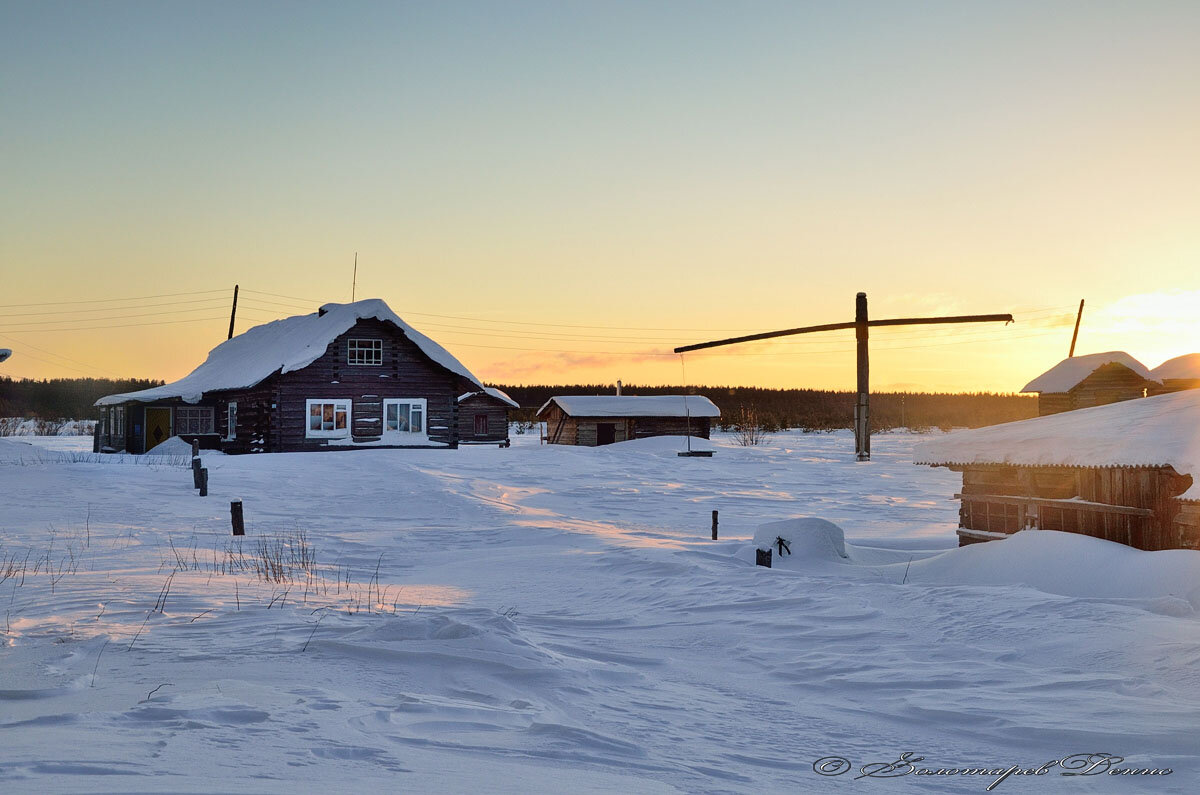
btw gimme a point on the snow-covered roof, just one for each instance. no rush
(1154, 431)
(1067, 374)
(1186, 366)
(283, 346)
(491, 391)
(634, 406)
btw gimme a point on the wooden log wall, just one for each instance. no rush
(1150, 489)
(406, 372)
(497, 419)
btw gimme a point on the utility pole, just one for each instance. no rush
(1075, 335)
(861, 326)
(233, 312)
(354, 281)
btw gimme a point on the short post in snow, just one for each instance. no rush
(762, 557)
(204, 482)
(235, 517)
(195, 447)
(714, 526)
(195, 472)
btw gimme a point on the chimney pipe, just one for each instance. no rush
(618, 388)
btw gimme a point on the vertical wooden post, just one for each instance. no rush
(1075, 334)
(714, 538)
(204, 482)
(233, 312)
(862, 410)
(195, 447)
(195, 471)
(235, 518)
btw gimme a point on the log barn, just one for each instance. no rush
(1182, 372)
(593, 420)
(347, 376)
(1096, 379)
(1123, 472)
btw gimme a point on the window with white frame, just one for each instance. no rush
(231, 420)
(327, 418)
(193, 419)
(404, 415)
(364, 352)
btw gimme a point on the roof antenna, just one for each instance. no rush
(354, 283)
(1075, 335)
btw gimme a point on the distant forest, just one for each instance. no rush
(815, 409)
(61, 398)
(72, 398)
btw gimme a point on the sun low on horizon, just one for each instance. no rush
(565, 194)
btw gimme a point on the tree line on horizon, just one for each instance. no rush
(772, 409)
(813, 409)
(62, 398)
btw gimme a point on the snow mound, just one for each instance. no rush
(26, 454)
(1069, 564)
(661, 444)
(176, 446)
(808, 537)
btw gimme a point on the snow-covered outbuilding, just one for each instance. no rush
(592, 420)
(348, 375)
(1124, 472)
(1182, 372)
(1092, 380)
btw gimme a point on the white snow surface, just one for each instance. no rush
(557, 619)
(285, 345)
(1186, 366)
(1067, 374)
(634, 405)
(492, 391)
(1163, 430)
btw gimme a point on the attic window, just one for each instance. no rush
(369, 352)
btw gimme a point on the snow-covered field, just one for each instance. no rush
(556, 619)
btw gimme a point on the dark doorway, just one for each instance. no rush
(606, 433)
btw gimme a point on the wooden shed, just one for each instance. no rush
(1174, 375)
(347, 376)
(593, 420)
(1096, 379)
(1123, 472)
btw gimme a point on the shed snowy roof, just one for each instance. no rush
(1067, 374)
(634, 406)
(283, 346)
(491, 391)
(1155, 431)
(1186, 366)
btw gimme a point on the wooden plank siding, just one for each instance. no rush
(1137, 506)
(1110, 383)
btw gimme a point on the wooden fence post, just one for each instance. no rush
(714, 538)
(195, 471)
(235, 517)
(195, 447)
(204, 482)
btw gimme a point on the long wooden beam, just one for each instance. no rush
(899, 321)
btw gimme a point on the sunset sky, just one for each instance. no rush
(563, 192)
